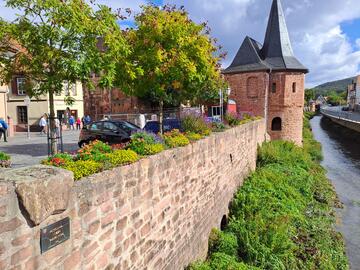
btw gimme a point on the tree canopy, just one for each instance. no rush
(177, 59)
(59, 41)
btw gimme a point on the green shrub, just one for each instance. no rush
(222, 261)
(96, 151)
(195, 124)
(232, 119)
(218, 127)
(223, 242)
(175, 139)
(145, 144)
(4, 156)
(199, 266)
(152, 149)
(58, 160)
(82, 168)
(283, 215)
(193, 136)
(121, 157)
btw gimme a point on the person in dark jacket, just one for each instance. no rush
(3, 128)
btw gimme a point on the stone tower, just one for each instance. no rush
(267, 80)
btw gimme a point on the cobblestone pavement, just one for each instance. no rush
(26, 152)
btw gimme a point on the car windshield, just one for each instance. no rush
(128, 127)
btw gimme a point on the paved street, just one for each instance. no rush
(25, 152)
(337, 112)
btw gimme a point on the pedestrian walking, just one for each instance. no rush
(78, 123)
(3, 129)
(87, 120)
(43, 124)
(57, 127)
(72, 122)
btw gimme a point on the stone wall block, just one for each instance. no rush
(42, 191)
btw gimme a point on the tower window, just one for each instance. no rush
(294, 87)
(273, 88)
(276, 124)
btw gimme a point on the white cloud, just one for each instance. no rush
(358, 43)
(314, 27)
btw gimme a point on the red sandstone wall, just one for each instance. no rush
(248, 91)
(154, 214)
(101, 101)
(287, 105)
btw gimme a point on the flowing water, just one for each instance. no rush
(341, 148)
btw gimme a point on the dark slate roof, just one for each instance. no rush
(247, 58)
(275, 54)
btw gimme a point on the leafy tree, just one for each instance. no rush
(335, 98)
(309, 95)
(58, 41)
(177, 59)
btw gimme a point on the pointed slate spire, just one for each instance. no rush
(277, 50)
(247, 58)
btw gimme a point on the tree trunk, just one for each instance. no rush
(161, 116)
(52, 126)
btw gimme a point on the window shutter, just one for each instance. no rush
(14, 86)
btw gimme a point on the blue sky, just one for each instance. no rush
(325, 34)
(352, 30)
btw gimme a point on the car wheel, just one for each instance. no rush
(82, 144)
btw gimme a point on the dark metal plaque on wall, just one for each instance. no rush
(54, 234)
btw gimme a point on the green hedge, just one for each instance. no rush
(283, 216)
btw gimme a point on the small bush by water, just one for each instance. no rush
(283, 217)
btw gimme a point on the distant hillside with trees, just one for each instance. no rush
(337, 86)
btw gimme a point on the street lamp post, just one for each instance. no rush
(221, 104)
(221, 94)
(27, 102)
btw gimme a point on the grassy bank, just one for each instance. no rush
(283, 217)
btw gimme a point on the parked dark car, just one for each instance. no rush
(345, 109)
(169, 124)
(109, 131)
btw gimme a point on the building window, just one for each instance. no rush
(294, 87)
(22, 114)
(20, 85)
(69, 86)
(215, 111)
(276, 124)
(273, 88)
(73, 89)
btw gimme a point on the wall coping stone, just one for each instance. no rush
(42, 190)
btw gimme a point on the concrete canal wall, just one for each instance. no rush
(154, 214)
(341, 119)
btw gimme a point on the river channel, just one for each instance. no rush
(341, 149)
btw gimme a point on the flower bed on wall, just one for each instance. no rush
(99, 156)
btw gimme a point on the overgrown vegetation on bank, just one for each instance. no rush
(283, 217)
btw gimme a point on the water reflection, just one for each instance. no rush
(341, 149)
(345, 140)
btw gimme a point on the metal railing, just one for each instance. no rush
(341, 115)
